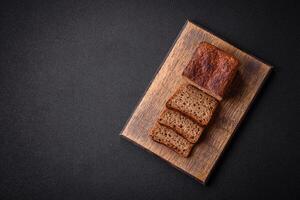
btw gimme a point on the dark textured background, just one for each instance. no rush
(71, 73)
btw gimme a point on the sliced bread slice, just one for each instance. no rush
(183, 125)
(194, 103)
(171, 139)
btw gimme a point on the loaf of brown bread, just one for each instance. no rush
(194, 103)
(211, 69)
(182, 124)
(171, 139)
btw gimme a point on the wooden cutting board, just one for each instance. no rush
(251, 75)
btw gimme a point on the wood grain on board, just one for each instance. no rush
(233, 107)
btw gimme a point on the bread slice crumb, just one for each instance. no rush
(194, 103)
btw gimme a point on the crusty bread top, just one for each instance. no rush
(211, 69)
(182, 124)
(171, 139)
(194, 103)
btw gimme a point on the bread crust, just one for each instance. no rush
(211, 69)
